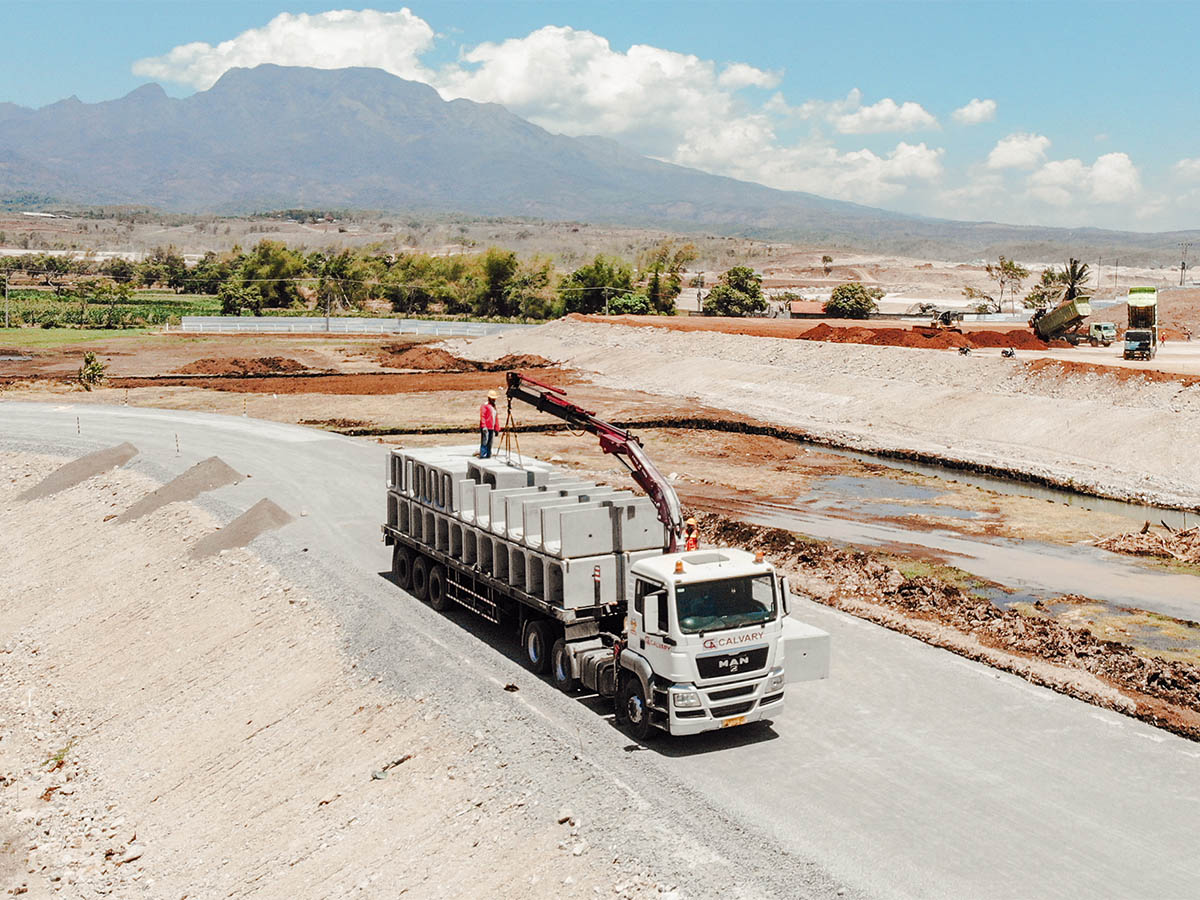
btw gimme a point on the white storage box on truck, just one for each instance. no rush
(682, 641)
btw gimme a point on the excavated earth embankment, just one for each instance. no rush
(1085, 429)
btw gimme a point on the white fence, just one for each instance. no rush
(340, 325)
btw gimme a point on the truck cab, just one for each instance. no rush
(708, 643)
(1140, 343)
(1102, 333)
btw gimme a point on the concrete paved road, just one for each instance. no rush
(911, 772)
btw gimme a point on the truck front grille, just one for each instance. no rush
(730, 693)
(733, 709)
(740, 662)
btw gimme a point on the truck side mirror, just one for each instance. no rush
(785, 595)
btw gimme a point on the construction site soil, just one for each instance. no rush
(261, 365)
(1068, 659)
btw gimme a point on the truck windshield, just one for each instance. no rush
(726, 603)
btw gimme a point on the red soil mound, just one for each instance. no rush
(923, 337)
(518, 361)
(425, 358)
(234, 365)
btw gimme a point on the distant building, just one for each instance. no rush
(806, 309)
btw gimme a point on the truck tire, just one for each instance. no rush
(632, 710)
(402, 567)
(437, 589)
(1094, 342)
(560, 668)
(420, 578)
(536, 642)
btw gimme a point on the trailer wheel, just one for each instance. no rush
(402, 567)
(420, 578)
(560, 668)
(437, 589)
(536, 642)
(632, 710)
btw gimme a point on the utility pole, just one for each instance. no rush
(1185, 246)
(5, 298)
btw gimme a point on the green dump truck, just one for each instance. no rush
(1063, 322)
(1141, 338)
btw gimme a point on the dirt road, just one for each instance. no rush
(888, 780)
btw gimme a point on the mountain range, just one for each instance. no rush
(276, 137)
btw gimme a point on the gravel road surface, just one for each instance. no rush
(910, 772)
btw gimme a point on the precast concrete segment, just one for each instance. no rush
(80, 470)
(263, 516)
(909, 772)
(207, 475)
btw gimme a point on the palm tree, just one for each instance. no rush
(1074, 277)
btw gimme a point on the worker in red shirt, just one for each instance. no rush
(489, 424)
(692, 537)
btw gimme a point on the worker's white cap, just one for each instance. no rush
(493, 394)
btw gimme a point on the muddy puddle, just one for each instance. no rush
(1028, 570)
(1137, 512)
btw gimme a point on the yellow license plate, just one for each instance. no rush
(736, 720)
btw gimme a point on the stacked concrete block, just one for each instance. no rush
(538, 529)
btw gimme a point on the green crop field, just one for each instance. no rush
(144, 308)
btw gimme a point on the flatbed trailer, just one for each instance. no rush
(682, 642)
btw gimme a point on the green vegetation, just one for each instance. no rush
(53, 290)
(91, 373)
(853, 301)
(59, 757)
(912, 567)
(738, 293)
(32, 338)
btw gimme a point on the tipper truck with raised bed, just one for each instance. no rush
(1064, 322)
(594, 580)
(1141, 337)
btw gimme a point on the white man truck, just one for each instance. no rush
(594, 580)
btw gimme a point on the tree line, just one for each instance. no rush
(271, 275)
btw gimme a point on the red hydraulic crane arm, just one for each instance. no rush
(622, 444)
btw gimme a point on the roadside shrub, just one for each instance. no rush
(91, 372)
(629, 305)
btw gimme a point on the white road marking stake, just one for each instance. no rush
(177, 443)
(77, 425)
(243, 406)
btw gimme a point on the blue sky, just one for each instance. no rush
(1083, 113)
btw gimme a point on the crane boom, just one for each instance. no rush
(622, 444)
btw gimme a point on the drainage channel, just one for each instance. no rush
(986, 477)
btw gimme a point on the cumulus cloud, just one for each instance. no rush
(1111, 179)
(393, 41)
(1188, 169)
(1018, 151)
(740, 75)
(975, 112)
(886, 115)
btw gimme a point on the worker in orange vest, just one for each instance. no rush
(489, 424)
(692, 538)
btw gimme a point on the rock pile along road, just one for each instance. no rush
(910, 772)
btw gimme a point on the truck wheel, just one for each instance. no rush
(1094, 342)
(560, 668)
(402, 567)
(437, 589)
(632, 710)
(420, 578)
(536, 642)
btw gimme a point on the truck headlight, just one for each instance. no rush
(685, 699)
(775, 680)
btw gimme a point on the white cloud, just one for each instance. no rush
(1111, 179)
(1188, 169)
(337, 39)
(740, 75)
(975, 112)
(574, 82)
(750, 151)
(886, 115)
(1018, 151)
